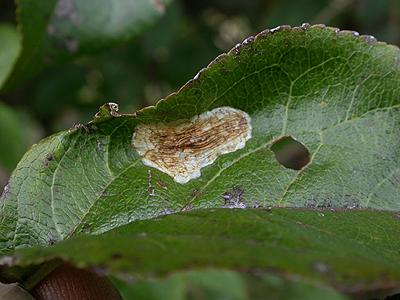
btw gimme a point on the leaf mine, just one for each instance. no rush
(180, 149)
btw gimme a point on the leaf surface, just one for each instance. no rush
(354, 251)
(334, 91)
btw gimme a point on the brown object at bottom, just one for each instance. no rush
(70, 283)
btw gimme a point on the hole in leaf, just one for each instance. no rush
(291, 153)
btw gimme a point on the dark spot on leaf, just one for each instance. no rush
(51, 239)
(234, 198)
(102, 194)
(291, 153)
(310, 204)
(195, 193)
(257, 205)
(48, 158)
(85, 228)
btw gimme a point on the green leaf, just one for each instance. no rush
(354, 251)
(75, 27)
(335, 92)
(221, 284)
(12, 138)
(55, 30)
(9, 50)
(32, 17)
(208, 284)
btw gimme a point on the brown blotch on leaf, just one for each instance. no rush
(180, 149)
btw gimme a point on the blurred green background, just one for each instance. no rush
(142, 68)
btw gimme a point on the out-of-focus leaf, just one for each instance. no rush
(209, 284)
(32, 17)
(12, 138)
(275, 287)
(86, 25)
(355, 251)
(54, 30)
(221, 284)
(10, 45)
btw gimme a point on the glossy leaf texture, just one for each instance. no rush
(334, 91)
(54, 30)
(356, 252)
